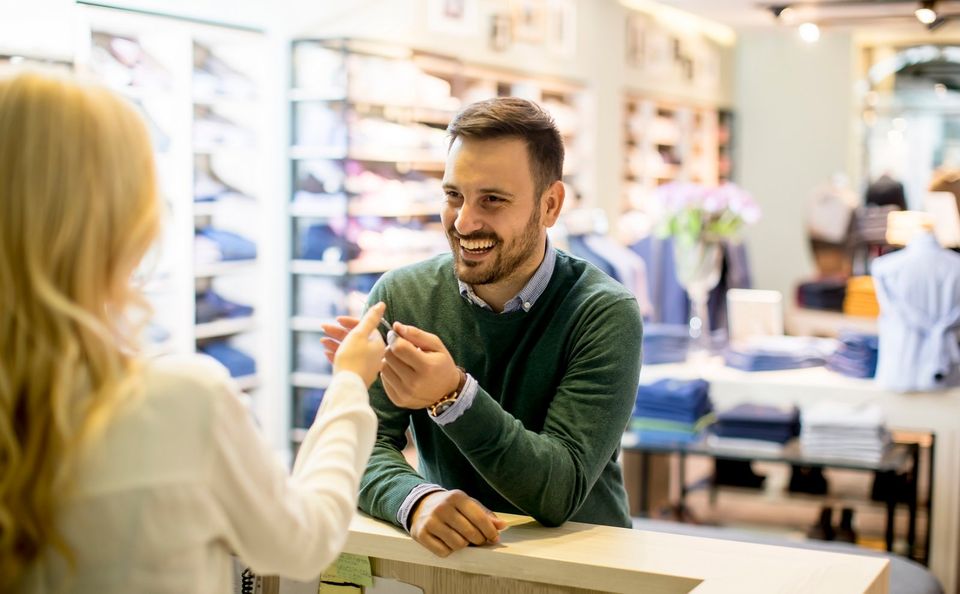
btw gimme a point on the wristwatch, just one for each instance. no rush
(443, 405)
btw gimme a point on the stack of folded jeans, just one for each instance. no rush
(856, 355)
(755, 428)
(212, 306)
(772, 353)
(843, 431)
(237, 362)
(672, 411)
(215, 245)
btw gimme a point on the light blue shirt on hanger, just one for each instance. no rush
(918, 289)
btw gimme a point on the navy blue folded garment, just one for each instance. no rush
(319, 238)
(236, 361)
(211, 306)
(676, 400)
(759, 361)
(665, 343)
(309, 405)
(856, 356)
(757, 421)
(232, 246)
(822, 294)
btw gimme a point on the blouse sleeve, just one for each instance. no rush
(292, 525)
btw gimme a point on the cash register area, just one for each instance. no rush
(778, 186)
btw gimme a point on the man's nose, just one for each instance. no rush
(467, 220)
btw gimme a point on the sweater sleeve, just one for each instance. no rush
(292, 525)
(549, 474)
(389, 479)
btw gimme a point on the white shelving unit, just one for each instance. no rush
(667, 142)
(367, 156)
(204, 91)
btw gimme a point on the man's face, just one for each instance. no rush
(491, 214)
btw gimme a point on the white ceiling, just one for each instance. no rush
(752, 13)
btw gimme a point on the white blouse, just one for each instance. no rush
(182, 478)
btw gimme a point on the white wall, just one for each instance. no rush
(795, 110)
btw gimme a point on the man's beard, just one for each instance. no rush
(508, 259)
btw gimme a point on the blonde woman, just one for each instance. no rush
(118, 474)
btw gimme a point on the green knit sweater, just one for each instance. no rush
(557, 386)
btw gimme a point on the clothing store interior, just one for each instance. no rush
(777, 184)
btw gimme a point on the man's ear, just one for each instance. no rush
(551, 203)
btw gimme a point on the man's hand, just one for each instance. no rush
(418, 370)
(447, 521)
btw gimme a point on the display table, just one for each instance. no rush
(582, 558)
(937, 412)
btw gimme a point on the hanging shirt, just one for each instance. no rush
(918, 289)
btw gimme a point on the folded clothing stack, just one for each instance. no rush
(310, 401)
(237, 362)
(665, 343)
(322, 242)
(841, 431)
(773, 353)
(755, 428)
(861, 298)
(211, 306)
(856, 356)
(672, 411)
(825, 294)
(216, 245)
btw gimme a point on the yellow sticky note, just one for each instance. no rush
(339, 589)
(514, 519)
(350, 569)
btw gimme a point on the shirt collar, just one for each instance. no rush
(529, 294)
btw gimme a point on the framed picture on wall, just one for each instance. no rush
(453, 17)
(529, 20)
(562, 27)
(636, 40)
(501, 32)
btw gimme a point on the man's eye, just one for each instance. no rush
(493, 199)
(451, 195)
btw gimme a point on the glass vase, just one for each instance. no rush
(698, 265)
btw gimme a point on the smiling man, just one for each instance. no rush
(515, 365)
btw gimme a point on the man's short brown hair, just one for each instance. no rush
(512, 117)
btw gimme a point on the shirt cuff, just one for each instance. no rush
(418, 493)
(462, 404)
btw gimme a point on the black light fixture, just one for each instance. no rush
(926, 13)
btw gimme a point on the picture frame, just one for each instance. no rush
(561, 27)
(454, 17)
(529, 20)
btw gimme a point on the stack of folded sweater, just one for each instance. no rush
(672, 411)
(216, 245)
(856, 356)
(212, 306)
(825, 294)
(237, 362)
(842, 431)
(771, 353)
(755, 428)
(861, 298)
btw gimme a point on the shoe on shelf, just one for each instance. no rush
(807, 479)
(823, 528)
(737, 473)
(845, 531)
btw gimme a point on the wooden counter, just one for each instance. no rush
(938, 412)
(582, 558)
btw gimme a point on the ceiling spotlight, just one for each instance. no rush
(926, 13)
(809, 32)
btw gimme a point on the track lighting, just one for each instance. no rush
(809, 32)
(926, 13)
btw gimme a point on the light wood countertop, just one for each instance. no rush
(622, 560)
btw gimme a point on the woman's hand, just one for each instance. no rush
(361, 350)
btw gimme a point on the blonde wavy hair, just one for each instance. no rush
(78, 210)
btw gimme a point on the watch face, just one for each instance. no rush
(442, 407)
